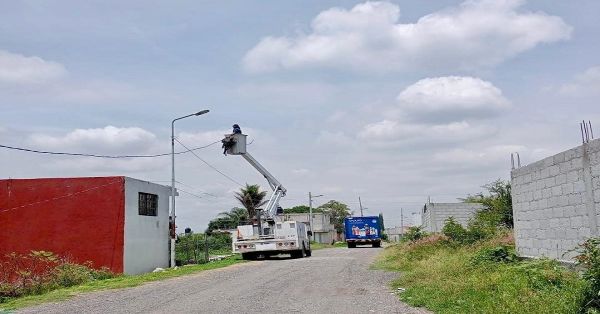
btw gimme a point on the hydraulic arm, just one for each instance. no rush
(235, 144)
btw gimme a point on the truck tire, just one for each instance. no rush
(308, 253)
(377, 244)
(351, 245)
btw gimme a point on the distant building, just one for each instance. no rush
(434, 215)
(396, 233)
(323, 230)
(115, 222)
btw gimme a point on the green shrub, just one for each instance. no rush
(415, 233)
(454, 231)
(589, 258)
(41, 271)
(498, 254)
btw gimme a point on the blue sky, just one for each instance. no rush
(393, 101)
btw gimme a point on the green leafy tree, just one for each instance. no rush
(229, 219)
(338, 211)
(251, 198)
(301, 209)
(497, 203)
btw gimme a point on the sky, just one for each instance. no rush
(393, 101)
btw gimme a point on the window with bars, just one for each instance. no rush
(147, 204)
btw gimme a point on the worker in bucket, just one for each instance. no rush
(228, 142)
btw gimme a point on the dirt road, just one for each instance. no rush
(331, 281)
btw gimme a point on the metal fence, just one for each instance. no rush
(198, 248)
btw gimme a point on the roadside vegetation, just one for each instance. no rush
(475, 269)
(320, 246)
(74, 279)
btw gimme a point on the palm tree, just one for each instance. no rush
(235, 215)
(252, 198)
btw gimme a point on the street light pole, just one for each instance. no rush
(173, 231)
(310, 218)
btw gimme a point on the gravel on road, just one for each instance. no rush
(336, 280)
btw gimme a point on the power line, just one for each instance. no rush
(211, 166)
(102, 156)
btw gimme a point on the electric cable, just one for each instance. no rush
(102, 156)
(211, 166)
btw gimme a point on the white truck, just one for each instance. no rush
(269, 234)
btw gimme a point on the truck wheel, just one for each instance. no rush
(376, 244)
(351, 245)
(308, 253)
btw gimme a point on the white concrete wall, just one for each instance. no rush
(324, 231)
(556, 202)
(434, 215)
(146, 237)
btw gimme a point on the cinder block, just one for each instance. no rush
(575, 198)
(557, 212)
(546, 193)
(561, 179)
(577, 163)
(567, 188)
(573, 176)
(577, 222)
(563, 201)
(550, 182)
(554, 170)
(553, 201)
(559, 158)
(556, 191)
(545, 173)
(579, 186)
(571, 234)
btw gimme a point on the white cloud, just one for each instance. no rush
(370, 37)
(99, 140)
(452, 96)
(439, 109)
(16, 68)
(390, 131)
(586, 83)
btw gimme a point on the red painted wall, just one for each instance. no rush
(80, 218)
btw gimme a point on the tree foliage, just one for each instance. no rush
(251, 198)
(497, 203)
(338, 211)
(229, 219)
(301, 209)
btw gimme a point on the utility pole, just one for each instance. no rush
(173, 231)
(401, 221)
(310, 218)
(206, 246)
(361, 208)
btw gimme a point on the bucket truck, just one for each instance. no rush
(269, 233)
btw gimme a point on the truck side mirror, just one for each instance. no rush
(309, 233)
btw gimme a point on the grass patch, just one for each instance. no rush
(479, 278)
(320, 246)
(124, 281)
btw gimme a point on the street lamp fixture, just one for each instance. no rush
(173, 233)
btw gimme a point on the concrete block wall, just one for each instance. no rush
(556, 202)
(434, 215)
